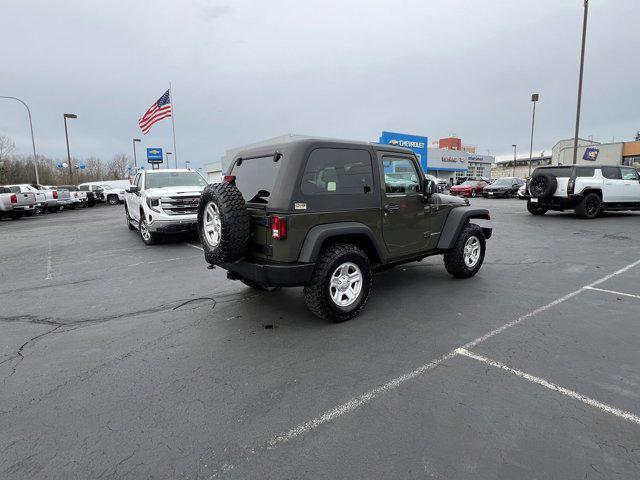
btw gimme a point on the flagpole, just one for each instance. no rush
(173, 125)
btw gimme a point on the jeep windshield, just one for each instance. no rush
(255, 178)
(174, 179)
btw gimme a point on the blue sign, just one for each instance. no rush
(82, 166)
(591, 154)
(154, 155)
(59, 165)
(414, 142)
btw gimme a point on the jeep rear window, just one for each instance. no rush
(337, 171)
(255, 178)
(556, 171)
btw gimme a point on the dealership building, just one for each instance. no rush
(449, 161)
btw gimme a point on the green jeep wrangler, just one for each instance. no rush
(326, 214)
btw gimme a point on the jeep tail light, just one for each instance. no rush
(278, 227)
(55, 194)
(14, 198)
(230, 179)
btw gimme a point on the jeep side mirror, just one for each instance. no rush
(429, 187)
(131, 189)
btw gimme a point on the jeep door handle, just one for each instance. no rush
(391, 207)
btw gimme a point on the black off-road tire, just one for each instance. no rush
(235, 221)
(542, 185)
(534, 209)
(257, 286)
(316, 292)
(126, 212)
(113, 199)
(454, 260)
(590, 207)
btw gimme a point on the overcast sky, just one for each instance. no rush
(244, 71)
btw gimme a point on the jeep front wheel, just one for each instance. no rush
(465, 258)
(340, 284)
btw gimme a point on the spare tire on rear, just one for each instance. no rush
(542, 185)
(223, 223)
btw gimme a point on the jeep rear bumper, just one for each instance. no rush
(270, 275)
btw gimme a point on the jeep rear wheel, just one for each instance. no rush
(465, 258)
(590, 206)
(534, 209)
(223, 223)
(340, 284)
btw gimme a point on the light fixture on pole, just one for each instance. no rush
(584, 36)
(66, 134)
(33, 142)
(514, 158)
(534, 98)
(135, 159)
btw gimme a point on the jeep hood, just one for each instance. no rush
(187, 190)
(451, 200)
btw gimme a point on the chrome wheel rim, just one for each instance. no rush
(472, 249)
(212, 224)
(144, 230)
(345, 284)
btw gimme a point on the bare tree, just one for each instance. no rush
(6, 147)
(117, 167)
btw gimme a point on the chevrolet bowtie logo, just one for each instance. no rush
(154, 151)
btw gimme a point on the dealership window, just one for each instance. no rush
(632, 162)
(400, 175)
(337, 171)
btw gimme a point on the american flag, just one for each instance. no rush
(159, 110)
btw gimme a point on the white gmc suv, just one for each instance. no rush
(161, 202)
(588, 190)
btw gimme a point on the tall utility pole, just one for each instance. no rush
(584, 36)
(514, 158)
(33, 142)
(135, 158)
(66, 135)
(534, 98)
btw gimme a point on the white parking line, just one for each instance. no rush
(194, 246)
(552, 386)
(49, 268)
(612, 291)
(365, 398)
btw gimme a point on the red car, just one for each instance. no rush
(470, 188)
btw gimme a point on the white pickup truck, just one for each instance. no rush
(588, 190)
(45, 199)
(111, 191)
(16, 205)
(161, 202)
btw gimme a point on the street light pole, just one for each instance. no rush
(135, 159)
(514, 159)
(534, 98)
(33, 142)
(584, 36)
(167, 155)
(66, 135)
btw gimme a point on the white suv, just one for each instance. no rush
(588, 190)
(161, 202)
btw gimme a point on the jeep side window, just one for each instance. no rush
(629, 173)
(612, 173)
(337, 171)
(400, 175)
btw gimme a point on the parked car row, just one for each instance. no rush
(23, 199)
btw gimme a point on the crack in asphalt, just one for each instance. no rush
(19, 355)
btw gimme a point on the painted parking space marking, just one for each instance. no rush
(363, 399)
(194, 246)
(552, 386)
(613, 292)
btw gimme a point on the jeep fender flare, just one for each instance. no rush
(455, 222)
(317, 235)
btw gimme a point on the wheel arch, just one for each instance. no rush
(455, 222)
(342, 232)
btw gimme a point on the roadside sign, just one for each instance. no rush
(154, 155)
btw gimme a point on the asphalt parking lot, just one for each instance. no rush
(120, 360)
